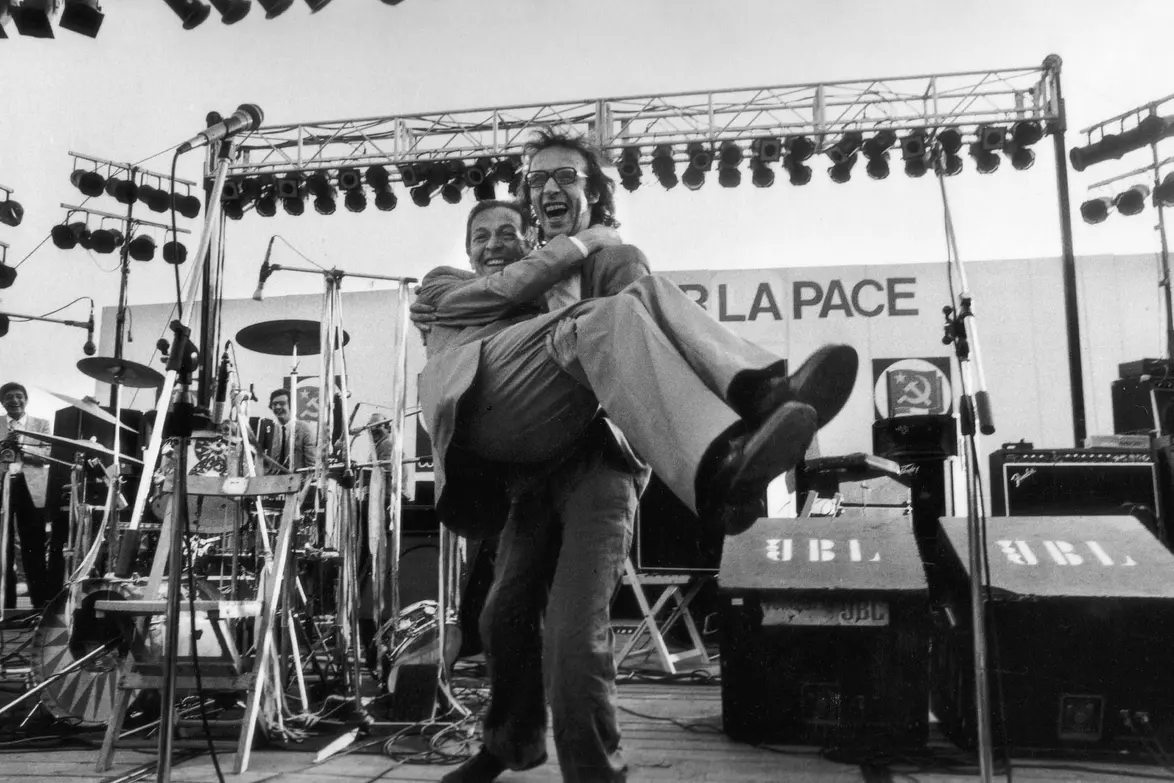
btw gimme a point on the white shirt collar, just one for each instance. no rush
(21, 422)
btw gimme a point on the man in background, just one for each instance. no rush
(27, 486)
(292, 444)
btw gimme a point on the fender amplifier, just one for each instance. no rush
(1084, 482)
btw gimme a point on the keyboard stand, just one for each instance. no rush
(679, 588)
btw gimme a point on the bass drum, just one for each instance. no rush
(416, 638)
(85, 696)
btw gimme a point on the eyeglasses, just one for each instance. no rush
(564, 176)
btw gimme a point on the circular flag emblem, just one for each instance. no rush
(912, 387)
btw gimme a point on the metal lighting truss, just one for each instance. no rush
(821, 111)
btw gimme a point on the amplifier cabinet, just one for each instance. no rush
(1049, 482)
(825, 633)
(1143, 404)
(670, 539)
(1080, 618)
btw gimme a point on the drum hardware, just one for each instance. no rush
(90, 407)
(123, 372)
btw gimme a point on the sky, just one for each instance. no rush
(145, 84)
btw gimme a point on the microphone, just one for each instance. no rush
(266, 270)
(88, 349)
(247, 117)
(221, 388)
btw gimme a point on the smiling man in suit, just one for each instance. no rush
(292, 444)
(27, 484)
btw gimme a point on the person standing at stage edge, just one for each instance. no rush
(292, 445)
(581, 508)
(28, 487)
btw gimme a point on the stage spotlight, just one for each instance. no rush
(174, 252)
(421, 195)
(915, 153)
(949, 143)
(991, 137)
(124, 191)
(142, 248)
(85, 238)
(82, 16)
(842, 172)
(767, 150)
(629, 168)
(267, 202)
(454, 187)
(34, 17)
(69, 236)
(90, 183)
(191, 12)
(1132, 201)
(1164, 193)
(11, 212)
(275, 8)
(1112, 146)
(798, 173)
(1096, 210)
(507, 170)
(800, 148)
(289, 187)
(355, 200)
(1023, 135)
(7, 278)
(233, 210)
(876, 150)
(4, 321)
(105, 240)
(845, 147)
(763, 175)
(186, 205)
(481, 170)
(317, 5)
(485, 191)
(156, 199)
(411, 175)
(232, 11)
(985, 161)
(379, 180)
(664, 167)
(700, 161)
(729, 157)
(323, 192)
(349, 179)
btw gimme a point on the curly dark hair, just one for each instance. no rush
(598, 183)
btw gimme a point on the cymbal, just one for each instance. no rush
(280, 338)
(121, 371)
(90, 408)
(83, 445)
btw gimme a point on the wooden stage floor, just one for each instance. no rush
(671, 732)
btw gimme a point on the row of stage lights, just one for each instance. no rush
(126, 186)
(918, 150)
(450, 178)
(11, 214)
(123, 188)
(1131, 201)
(34, 18)
(194, 12)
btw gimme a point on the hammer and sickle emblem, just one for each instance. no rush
(916, 392)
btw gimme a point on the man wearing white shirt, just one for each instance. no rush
(27, 484)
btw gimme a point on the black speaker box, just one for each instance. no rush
(825, 633)
(1143, 404)
(78, 425)
(419, 567)
(669, 536)
(1080, 618)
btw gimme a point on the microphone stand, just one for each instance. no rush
(974, 409)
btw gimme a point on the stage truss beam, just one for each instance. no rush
(822, 111)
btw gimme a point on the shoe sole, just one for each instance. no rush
(825, 381)
(775, 447)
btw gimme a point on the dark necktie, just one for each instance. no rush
(285, 446)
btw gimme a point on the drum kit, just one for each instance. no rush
(76, 651)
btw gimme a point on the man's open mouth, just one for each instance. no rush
(555, 210)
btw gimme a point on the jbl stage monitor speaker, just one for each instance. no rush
(825, 626)
(1143, 404)
(1081, 614)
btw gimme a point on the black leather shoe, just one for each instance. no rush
(484, 767)
(733, 479)
(824, 382)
